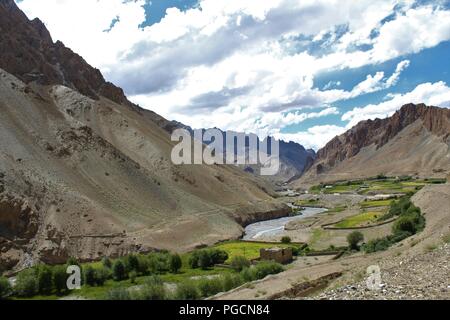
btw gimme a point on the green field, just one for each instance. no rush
(376, 204)
(359, 219)
(249, 250)
(387, 185)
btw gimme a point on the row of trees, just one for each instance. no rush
(154, 289)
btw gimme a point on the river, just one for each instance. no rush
(276, 227)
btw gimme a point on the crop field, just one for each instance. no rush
(376, 204)
(382, 186)
(249, 250)
(359, 219)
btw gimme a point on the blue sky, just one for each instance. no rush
(303, 71)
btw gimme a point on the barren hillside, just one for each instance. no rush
(85, 173)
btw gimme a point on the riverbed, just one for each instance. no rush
(276, 227)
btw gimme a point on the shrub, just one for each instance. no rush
(286, 240)
(59, 279)
(118, 270)
(218, 256)
(44, 279)
(187, 291)
(295, 251)
(106, 262)
(210, 287)
(153, 289)
(207, 258)
(133, 275)
(143, 265)
(132, 263)
(175, 263)
(89, 276)
(102, 275)
(264, 269)
(238, 263)
(5, 288)
(26, 284)
(230, 282)
(354, 239)
(248, 274)
(118, 294)
(158, 262)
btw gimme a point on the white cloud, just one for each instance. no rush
(315, 137)
(225, 65)
(434, 94)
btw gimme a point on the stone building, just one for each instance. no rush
(279, 255)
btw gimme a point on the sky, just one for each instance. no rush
(300, 70)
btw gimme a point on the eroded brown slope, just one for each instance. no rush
(414, 141)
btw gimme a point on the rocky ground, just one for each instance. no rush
(425, 276)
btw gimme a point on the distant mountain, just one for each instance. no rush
(85, 173)
(294, 158)
(414, 141)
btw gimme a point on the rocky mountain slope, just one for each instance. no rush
(414, 141)
(85, 173)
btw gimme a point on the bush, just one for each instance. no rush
(143, 266)
(218, 256)
(153, 289)
(89, 276)
(354, 239)
(295, 251)
(207, 258)
(118, 294)
(210, 287)
(187, 291)
(238, 263)
(249, 274)
(230, 282)
(44, 279)
(59, 279)
(158, 262)
(102, 275)
(5, 288)
(118, 270)
(286, 240)
(26, 284)
(132, 263)
(132, 275)
(175, 263)
(264, 269)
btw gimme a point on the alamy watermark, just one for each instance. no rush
(211, 148)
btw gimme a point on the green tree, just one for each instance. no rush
(132, 263)
(119, 272)
(59, 279)
(204, 260)
(286, 240)
(26, 284)
(354, 239)
(187, 291)
(175, 263)
(89, 276)
(44, 279)
(238, 263)
(5, 288)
